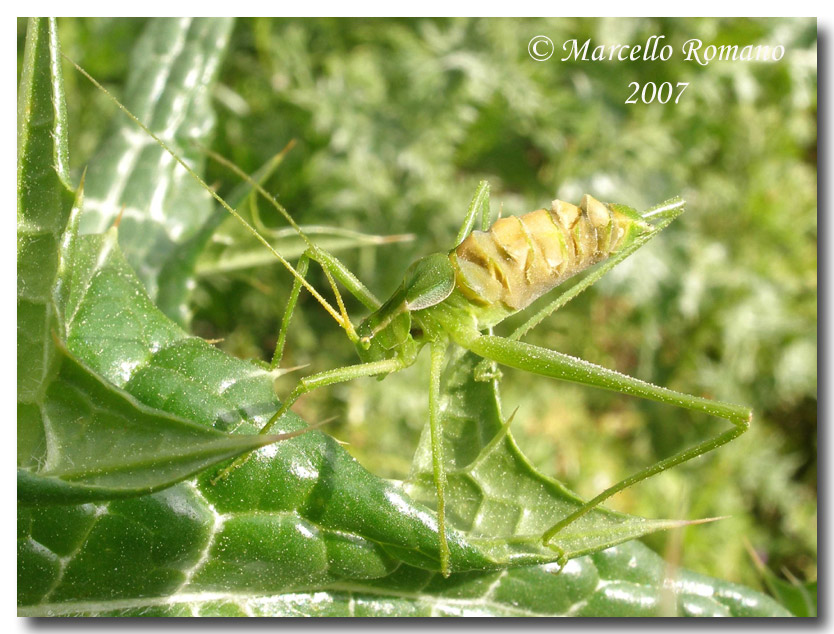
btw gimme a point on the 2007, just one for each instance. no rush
(650, 92)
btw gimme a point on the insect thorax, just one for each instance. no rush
(522, 257)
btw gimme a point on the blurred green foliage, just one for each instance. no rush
(397, 120)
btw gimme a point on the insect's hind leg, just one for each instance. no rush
(546, 362)
(486, 370)
(480, 203)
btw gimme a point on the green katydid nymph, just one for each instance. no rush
(456, 297)
(491, 274)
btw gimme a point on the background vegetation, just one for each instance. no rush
(395, 122)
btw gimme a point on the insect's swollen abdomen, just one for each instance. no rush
(522, 257)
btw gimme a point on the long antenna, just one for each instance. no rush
(341, 319)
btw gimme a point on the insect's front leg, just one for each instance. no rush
(301, 267)
(546, 362)
(347, 278)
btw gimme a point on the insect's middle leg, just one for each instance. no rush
(314, 381)
(330, 377)
(546, 362)
(438, 357)
(301, 267)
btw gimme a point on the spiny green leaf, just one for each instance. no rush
(84, 439)
(44, 200)
(43, 176)
(174, 66)
(80, 438)
(589, 586)
(100, 443)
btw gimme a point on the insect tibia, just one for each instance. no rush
(487, 370)
(522, 257)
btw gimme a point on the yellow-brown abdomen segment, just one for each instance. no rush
(522, 257)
